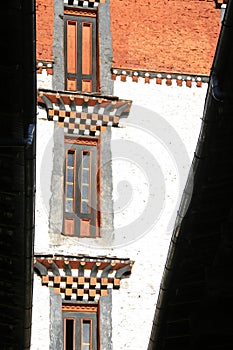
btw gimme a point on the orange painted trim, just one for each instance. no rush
(79, 308)
(79, 12)
(81, 141)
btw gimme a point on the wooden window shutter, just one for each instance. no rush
(81, 52)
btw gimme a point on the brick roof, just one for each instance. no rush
(167, 36)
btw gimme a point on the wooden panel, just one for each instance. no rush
(71, 47)
(87, 48)
(71, 84)
(69, 226)
(85, 228)
(86, 85)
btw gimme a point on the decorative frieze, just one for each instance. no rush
(84, 114)
(159, 78)
(82, 278)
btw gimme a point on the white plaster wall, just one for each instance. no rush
(40, 316)
(44, 80)
(44, 161)
(41, 307)
(182, 108)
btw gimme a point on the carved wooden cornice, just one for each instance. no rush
(82, 278)
(83, 114)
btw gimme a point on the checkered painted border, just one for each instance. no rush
(84, 3)
(84, 115)
(82, 279)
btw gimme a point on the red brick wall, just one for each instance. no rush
(44, 29)
(165, 35)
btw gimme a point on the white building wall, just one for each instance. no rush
(179, 111)
(40, 336)
(44, 163)
(44, 80)
(40, 316)
(151, 157)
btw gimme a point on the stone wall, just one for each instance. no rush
(105, 48)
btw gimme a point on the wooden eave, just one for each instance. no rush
(81, 277)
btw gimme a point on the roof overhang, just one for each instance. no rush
(84, 114)
(81, 277)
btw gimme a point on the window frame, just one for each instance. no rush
(76, 223)
(79, 313)
(79, 81)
